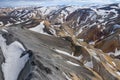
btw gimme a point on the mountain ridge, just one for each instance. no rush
(63, 42)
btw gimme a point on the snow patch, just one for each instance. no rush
(118, 73)
(63, 52)
(102, 37)
(104, 14)
(98, 26)
(92, 43)
(116, 26)
(13, 63)
(39, 28)
(89, 64)
(80, 57)
(80, 30)
(1, 24)
(73, 63)
(68, 54)
(67, 76)
(53, 31)
(47, 10)
(117, 52)
(97, 58)
(110, 65)
(4, 30)
(81, 40)
(8, 23)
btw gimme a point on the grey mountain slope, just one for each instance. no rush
(45, 63)
(78, 48)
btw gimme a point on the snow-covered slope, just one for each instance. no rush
(13, 62)
(39, 28)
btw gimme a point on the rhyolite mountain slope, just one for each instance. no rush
(60, 43)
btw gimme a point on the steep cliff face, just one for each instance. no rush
(60, 43)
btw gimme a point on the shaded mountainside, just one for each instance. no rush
(60, 43)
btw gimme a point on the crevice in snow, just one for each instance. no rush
(13, 63)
